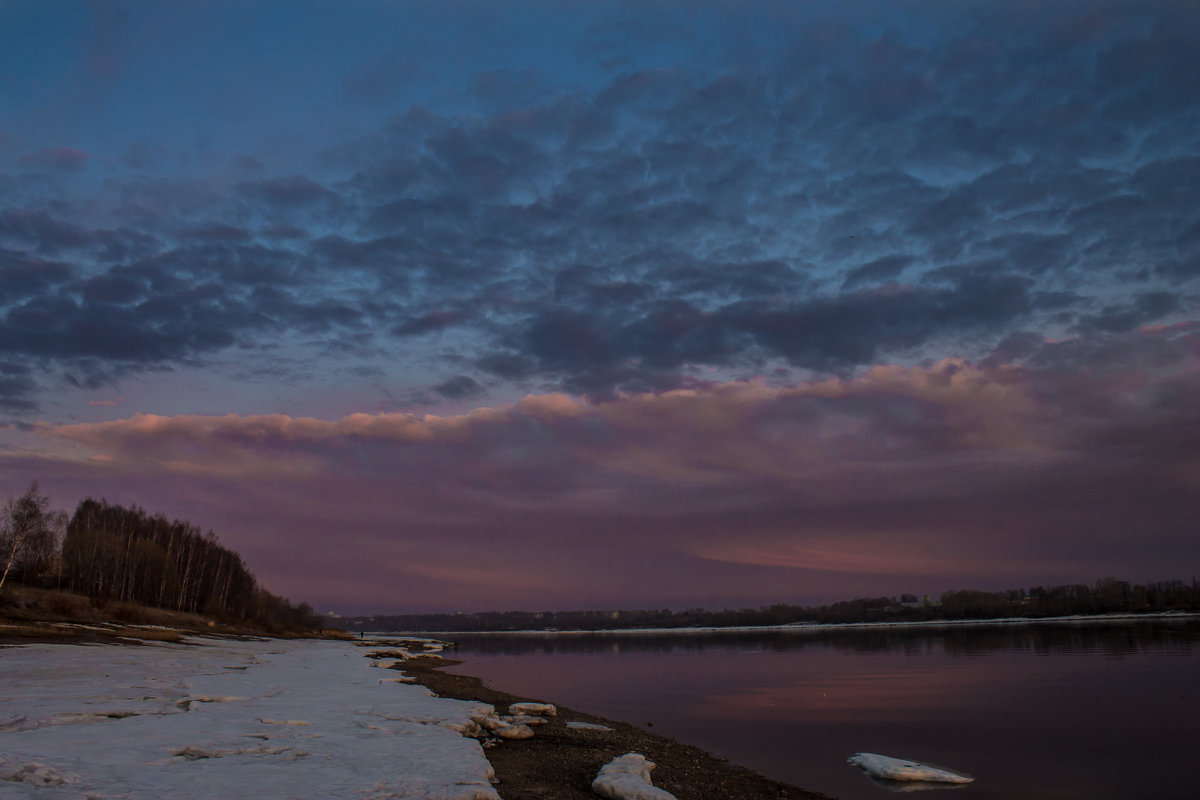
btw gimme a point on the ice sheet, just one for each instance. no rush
(226, 719)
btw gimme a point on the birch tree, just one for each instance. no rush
(29, 532)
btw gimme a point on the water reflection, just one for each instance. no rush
(1112, 639)
(914, 786)
(1033, 711)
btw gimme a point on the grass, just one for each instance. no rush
(28, 614)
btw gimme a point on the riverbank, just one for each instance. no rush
(224, 674)
(29, 615)
(562, 759)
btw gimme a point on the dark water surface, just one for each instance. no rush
(1082, 710)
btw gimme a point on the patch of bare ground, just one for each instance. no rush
(560, 762)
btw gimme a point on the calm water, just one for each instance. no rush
(1094, 711)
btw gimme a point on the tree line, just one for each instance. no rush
(1105, 596)
(114, 553)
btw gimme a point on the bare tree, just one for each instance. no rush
(29, 532)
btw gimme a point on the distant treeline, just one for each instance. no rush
(114, 553)
(1106, 596)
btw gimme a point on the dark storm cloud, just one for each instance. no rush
(881, 269)
(1125, 317)
(163, 328)
(290, 193)
(819, 193)
(430, 322)
(17, 386)
(637, 346)
(41, 230)
(143, 157)
(216, 232)
(460, 387)
(65, 159)
(23, 277)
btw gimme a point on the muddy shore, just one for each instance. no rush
(560, 762)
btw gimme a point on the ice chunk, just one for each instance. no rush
(198, 753)
(627, 777)
(524, 719)
(898, 769)
(514, 732)
(533, 709)
(35, 775)
(587, 726)
(388, 664)
(505, 729)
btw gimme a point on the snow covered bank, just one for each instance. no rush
(230, 720)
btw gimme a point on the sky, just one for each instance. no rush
(465, 306)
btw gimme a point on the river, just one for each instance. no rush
(1090, 710)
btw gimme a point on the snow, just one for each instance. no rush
(898, 769)
(228, 719)
(627, 777)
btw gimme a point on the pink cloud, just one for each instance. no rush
(692, 435)
(901, 479)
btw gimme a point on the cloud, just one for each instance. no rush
(913, 476)
(17, 387)
(715, 433)
(460, 387)
(822, 191)
(58, 159)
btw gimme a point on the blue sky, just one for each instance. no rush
(429, 211)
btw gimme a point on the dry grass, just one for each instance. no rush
(130, 612)
(31, 614)
(71, 606)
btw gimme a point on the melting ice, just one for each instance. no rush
(228, 719)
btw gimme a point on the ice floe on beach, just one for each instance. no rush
(401, 650)
(228, 719)
(899, 769)
(534, 709)
(627, 777)
(587, 726)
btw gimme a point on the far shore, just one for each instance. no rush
(817, 627)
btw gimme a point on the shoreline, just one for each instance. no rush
(815, 627)
(560, 762)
